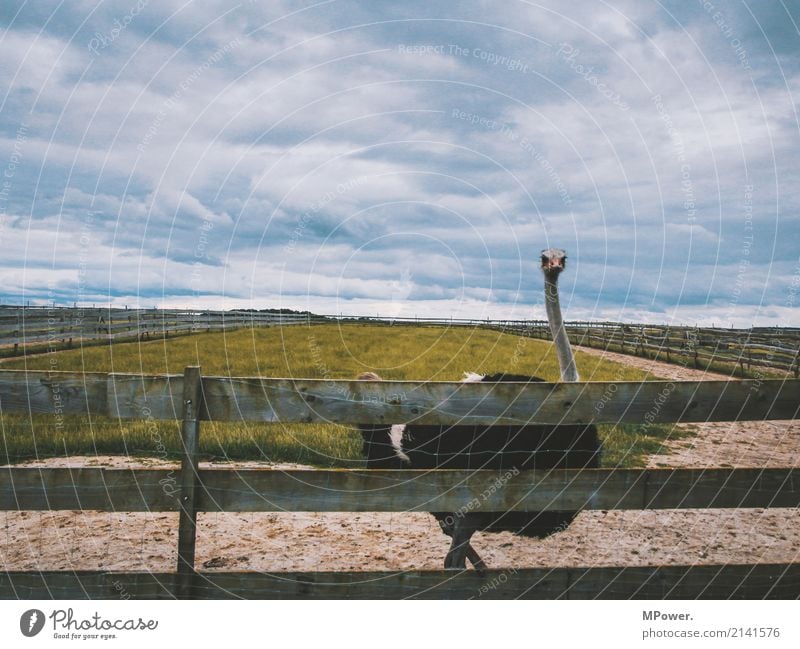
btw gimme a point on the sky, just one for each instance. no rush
(404, 159)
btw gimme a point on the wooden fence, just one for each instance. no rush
(749, 349)
(37, 329)
(195, 398)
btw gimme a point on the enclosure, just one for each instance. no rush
(194, 398)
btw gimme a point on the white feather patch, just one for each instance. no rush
(398, 431)
(396, 437)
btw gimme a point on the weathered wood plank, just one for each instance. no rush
(496, 491)
(760, 581)
(401, 490)
(87, 585)
(190, 481)
(295, 400)
(137, 396)
(52, 393)
(134, 396)
(124, 490)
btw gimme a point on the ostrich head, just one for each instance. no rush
(554, 260)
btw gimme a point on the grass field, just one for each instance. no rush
(320, 351)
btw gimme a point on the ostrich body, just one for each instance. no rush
(523, 447)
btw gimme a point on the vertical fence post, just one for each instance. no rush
(190, 433)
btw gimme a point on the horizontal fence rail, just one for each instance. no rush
(194, 398)
(133, 396)
(768, 581)
(342, 490)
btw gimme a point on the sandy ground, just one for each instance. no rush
(396, 541)
(722, 444)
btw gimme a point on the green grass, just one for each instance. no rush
(319, 351)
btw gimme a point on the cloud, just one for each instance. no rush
(341, 156)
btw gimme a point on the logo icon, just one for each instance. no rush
(31, 622)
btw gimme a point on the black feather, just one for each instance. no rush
(502, 448)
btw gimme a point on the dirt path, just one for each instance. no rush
(397, 541)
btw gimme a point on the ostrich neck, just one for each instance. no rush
(566, 361)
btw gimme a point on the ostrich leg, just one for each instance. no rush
(448, 527)
(462, 530)
(475, 558)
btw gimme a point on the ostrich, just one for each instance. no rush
(523, 447)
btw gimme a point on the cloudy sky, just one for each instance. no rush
(404, 158)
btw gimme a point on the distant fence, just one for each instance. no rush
(772, 349)
(195, 398)
(38, 329)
